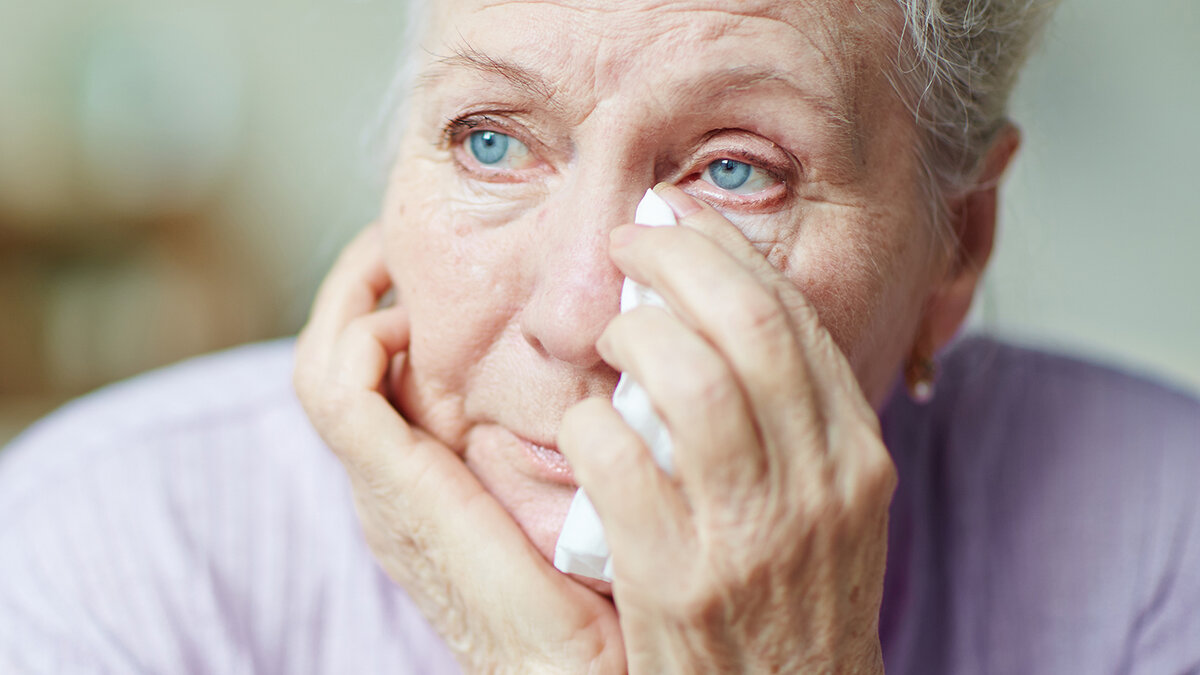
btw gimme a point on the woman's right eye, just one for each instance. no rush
(498, 150)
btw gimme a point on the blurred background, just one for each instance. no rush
(176, 177)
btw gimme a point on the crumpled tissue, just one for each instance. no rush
(582, 548)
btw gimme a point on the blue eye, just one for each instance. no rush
(738, 177)
(489, 147)
(729, 174)
(497, 150)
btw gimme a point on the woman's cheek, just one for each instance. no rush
(856, 268)
(837, 262)
(459, 278)
(479, 205)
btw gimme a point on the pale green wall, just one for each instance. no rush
(1100, 239)
(1099, 251)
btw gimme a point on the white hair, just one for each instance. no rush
(957, 62)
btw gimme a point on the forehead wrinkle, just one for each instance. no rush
(843, 33)
(465, 57)
(745, 78)
(834, 30)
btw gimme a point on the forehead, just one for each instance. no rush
(594, 47)
(638, 19)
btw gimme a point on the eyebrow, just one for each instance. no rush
(537, 87)
(743, 78)
(527, 81)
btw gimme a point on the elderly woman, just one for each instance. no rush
(834, 170)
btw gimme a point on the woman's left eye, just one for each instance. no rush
(497, 150)
(737, 177)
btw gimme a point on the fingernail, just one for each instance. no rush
(623, 235)
(681, 202)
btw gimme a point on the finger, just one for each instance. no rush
(742, 317)
(419, 503)
(367, 346)
(701, 216)
(642, 509)
(348, 400)
(352, 288)
(429, 507)
(423, 511)
(823, 356)
(718, 454)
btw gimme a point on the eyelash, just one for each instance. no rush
(457, 126)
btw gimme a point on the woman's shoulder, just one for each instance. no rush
(1057, 496)
(984, 367)
(1062, 493)
(189, 515)
(1025, 419)
(228, 382)
(155, 417)
(992, 390)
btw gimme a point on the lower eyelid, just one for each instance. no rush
(768, 199)
(505, 171)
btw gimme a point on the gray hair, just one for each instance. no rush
(956, 66)
(958, 63)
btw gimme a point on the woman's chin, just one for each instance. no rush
(529, 483)
(542, 524)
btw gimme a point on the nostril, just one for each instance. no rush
(534, 342)
(565, 317)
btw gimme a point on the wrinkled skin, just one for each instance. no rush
(795, 298)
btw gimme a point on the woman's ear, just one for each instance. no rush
(973, 219)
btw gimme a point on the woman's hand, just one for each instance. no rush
(433, 528)
(766, 551)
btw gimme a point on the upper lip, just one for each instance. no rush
(548, 445)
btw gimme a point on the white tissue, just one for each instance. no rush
(582, 548)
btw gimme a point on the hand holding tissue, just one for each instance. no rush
(582, 548)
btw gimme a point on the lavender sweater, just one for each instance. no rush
(190, 521)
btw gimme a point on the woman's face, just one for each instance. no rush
(535, 129)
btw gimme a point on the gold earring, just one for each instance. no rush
(920, 374)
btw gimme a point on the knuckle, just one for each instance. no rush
(708, 601)
(876, 474)
(621, 456)
(880, 474)
(626, 457)
(628, 327)
(762, 316)
(798, 307)
(358, 331)
(330, 409)
(764, 323)
(867, 419)
(704, 609)
(710, 385)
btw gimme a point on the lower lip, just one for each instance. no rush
(548, 464)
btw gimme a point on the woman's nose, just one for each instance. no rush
(576, 288)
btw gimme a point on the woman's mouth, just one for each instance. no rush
(547, 463)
